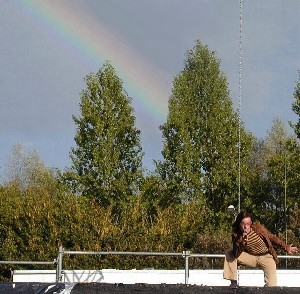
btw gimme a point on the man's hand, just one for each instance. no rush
(245, 238)
(292, 249)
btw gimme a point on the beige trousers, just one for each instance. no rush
(264, 262)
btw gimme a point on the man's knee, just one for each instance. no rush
(229, 256)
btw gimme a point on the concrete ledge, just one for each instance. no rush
(247, 278)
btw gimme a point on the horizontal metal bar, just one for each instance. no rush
(122, 253)
(207, 255)
(289, 256)
(160, 254)
(223, 255)
(26, 262)
(131, 253)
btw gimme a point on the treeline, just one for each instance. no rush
(106, 201)
(36, 220)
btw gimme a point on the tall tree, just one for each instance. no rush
(201, 137)
(107, 162)
(276, 162)
(275, 186)
(296, 108)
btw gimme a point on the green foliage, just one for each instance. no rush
(200, 153)
(107, 162)
(37, 219)
(35, 223)
(158, 193)
(274, 177)
(111, 206)
(212, 242)
(296, 108)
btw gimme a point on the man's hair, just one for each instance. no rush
(236, 225)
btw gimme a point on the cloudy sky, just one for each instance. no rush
(48, 47)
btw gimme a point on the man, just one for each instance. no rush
(253, 246)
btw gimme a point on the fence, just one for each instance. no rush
(185, 254)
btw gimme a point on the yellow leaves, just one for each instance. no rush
(42, 222)
(97, 247)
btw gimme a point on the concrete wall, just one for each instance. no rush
(286, 278)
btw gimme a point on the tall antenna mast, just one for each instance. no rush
(240, 100)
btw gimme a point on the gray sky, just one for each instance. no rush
(47, 50)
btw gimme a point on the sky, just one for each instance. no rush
(48, 47)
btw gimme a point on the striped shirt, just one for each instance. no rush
(255, 244)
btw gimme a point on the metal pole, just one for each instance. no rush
(285, 194)
(59, 264)
(26, 262)
(240, 102)
(186, 268)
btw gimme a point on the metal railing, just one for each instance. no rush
(186, 255)
(63, 252)
(28, 262)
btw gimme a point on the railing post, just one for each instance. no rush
(186, 255)
(59, 264)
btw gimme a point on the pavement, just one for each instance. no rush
(168, 289)
(103, 288)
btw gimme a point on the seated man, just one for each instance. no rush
(253, 246)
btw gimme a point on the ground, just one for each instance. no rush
(93, 288)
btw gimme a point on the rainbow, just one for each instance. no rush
(92, 41)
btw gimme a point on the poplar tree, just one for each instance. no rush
(200, 151)
(107, 159)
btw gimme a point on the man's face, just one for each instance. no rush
(245, 225)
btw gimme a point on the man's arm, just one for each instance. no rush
(291, 249)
